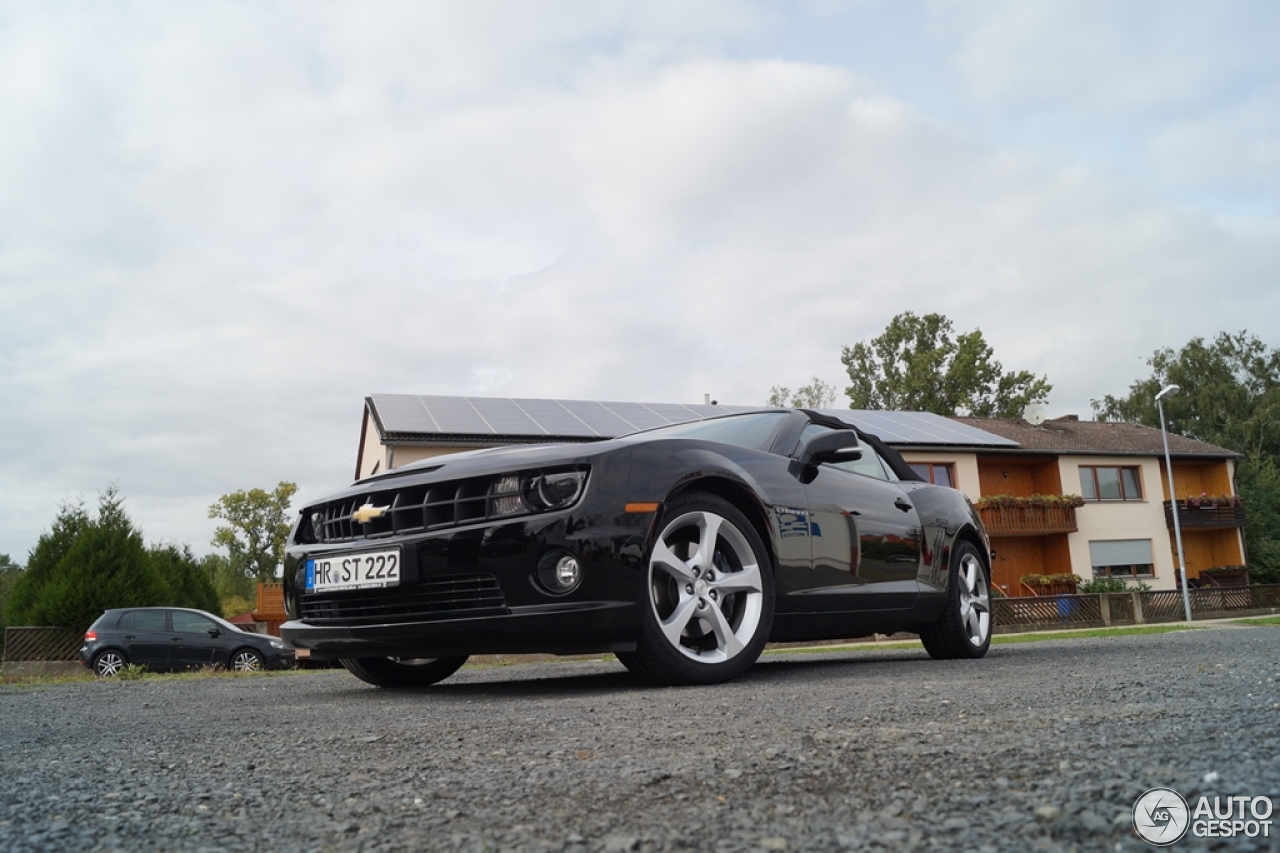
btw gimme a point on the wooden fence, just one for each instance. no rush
(1131, 608)
(42, 644)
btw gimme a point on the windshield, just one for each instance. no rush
(753, 431)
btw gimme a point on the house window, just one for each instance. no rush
(1122, 558)
(1109, 483)
(938, 473)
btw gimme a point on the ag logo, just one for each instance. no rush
(1161, 816)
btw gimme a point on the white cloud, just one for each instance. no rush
(225, 225)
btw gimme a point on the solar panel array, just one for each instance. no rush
(918, 428)
(483, 417)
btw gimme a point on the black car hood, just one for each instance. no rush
(490, 460)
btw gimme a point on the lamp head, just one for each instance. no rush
(1167, 391)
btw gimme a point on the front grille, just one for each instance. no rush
(450, 595)
(415, 509)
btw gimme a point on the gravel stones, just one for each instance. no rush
(1041, 746)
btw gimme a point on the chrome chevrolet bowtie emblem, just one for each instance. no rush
(368, 513)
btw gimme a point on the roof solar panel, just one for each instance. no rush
(403, 413)
(598, 417)
(456, 416)
(504, 417)
(918, 428)
(554, 418)
(540, 418)
(638, 415)
(674, 413)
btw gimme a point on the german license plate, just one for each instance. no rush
(353, 571)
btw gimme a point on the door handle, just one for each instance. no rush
(903, 504)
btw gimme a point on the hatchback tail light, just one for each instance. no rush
(90, 635)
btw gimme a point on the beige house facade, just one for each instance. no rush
(1124, 525)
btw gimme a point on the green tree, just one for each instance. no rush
(105, 565)
(43, 561)
(257, 525)
(918, 365)
(1258, 481)
(189, 585)
(816, 395)
(9, 574)
(1229, 396)
(234, 589)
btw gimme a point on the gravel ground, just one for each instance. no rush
(1041, 746)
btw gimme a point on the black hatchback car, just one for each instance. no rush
(173, 638)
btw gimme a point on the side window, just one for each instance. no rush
(191, 623)
(870, 465)
(142, 620)
(938, 473)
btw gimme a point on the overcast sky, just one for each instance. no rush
(223, 224)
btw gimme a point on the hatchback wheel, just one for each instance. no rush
(109, 663)
(246, 660)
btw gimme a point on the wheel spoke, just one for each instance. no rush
(673, 626)
(666, 559)
(977, 623)
(747, 580)
(709, 525)
(727, 642)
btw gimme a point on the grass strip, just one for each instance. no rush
(1002, 639)
(1273, 621)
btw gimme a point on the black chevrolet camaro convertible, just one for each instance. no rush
(682, 550)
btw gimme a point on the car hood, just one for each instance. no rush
(476, 463)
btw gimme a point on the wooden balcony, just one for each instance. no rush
(1204, 517)
(1028, 520)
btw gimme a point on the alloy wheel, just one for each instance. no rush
(705, 587)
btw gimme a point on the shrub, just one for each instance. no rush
(85, 566)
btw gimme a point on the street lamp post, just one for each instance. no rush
(1169, 391)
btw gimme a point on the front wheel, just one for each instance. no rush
(403, 672)
(709, 596)
(246, 660)
(964, 628)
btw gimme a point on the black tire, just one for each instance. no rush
(964, 628)
(108, 663)
(246, 660)
(706, 619)
(403, 672)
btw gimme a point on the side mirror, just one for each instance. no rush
(836, 446)
(215, 632)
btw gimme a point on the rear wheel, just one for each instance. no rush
(709, 596)
(964, 628)
(403, 672)
(109, 663)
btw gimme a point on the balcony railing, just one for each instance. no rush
(1028, 520)
(1204, 516)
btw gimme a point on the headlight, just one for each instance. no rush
(317, 526)
(554, 491)
(276, 644)
(523, 493)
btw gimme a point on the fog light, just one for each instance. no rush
(568, 573)
(559, 572)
